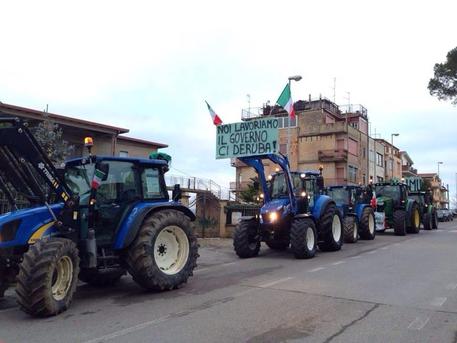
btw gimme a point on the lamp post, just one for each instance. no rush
(392, 151)
(291, 78)
(438, 164)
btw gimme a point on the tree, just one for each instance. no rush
(444, 83)
(251, 194)
(49, 136)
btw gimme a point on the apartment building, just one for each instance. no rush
(322, 134)
(392, 160)
(440, 193)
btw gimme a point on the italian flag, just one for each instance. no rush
(216, 120)
(97, 179)
(285, 101)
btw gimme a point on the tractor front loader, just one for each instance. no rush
(98, 218)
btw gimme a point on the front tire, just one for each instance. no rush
(351, 229)
(303, 238)
(427, 221)
(367, 224)
(101, 277)
(434, 220)
(400, 222)
(165, 252)
(246, 240)
(47, 277)
(330, 230)
(414, 219)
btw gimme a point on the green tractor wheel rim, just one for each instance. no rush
(336, 228)
(62, 278)
(171, 250)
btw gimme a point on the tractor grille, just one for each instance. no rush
(380, 208)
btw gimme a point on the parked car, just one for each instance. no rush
(441, 215)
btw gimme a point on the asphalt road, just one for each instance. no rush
(392, 289)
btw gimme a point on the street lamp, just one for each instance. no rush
(392, 151)
(438, 164)
(295, 78)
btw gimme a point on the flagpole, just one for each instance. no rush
(296, 78)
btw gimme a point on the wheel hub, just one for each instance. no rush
(62, 278)
(171, 250)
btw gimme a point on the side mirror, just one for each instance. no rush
(176, 195)
(103, 168)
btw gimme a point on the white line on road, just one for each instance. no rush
(451, 286)
(228, 264)
(418, 323)
(453, 231)
(438, 301)
(354, 257)
(337, 263)
(384, 248)
(372, 251)
(315, 269)
(272, 283)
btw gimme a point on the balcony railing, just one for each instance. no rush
(333, 155)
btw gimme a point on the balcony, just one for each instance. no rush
(333, 155)
(240, 186)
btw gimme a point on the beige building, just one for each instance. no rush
(322, 135)
(392, 160)
(439, 191)
(108, 140)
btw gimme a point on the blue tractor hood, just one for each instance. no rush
(18, 227)
(276, 205)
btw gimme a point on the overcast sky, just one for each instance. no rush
(149, 65)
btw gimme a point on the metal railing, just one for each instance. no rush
(189, 183)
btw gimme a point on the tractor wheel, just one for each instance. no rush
(427, 221)
(164, 253)
(350, 229)
(278, 242)
(101, 277)
(330, 229)
(415, 220)
(3, 288)
(303, 238)
(434, 220)
(400, 222)
(367, 228)
(47, 277)
(246, 240)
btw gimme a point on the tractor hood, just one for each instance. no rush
(382, 199)
(274, 205)
(275, 210)
(18, 227)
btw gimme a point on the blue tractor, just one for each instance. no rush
(95, 220)
(294, 212)
(355, 206)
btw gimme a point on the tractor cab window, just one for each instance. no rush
(152, 185)
(390, 191)
(278, 187)
(79, 178)
(120, 185)
(339, 195)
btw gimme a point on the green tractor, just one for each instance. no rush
(429, 217)
(395, 210)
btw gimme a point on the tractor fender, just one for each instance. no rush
(304, 215)
(319, 206)
(359, 210)
(131, 224)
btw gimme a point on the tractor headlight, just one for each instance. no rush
(273, 216)
(303, 194)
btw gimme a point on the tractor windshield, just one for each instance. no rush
(390, 191)
(78, 178)
(339, 195)
(278, 187)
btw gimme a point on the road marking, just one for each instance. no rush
(438, 301)
(337, 263)
(272, 283)
(354, 257)
(315, 269)
(453, 231)
(228, 264)
(201, 270)
(418, 323)
(131, 329)
(451, 286)
(372, 251)
(384, 248)
(396, 244)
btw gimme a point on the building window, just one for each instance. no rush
(364, 152)
(379, 160)
(352, 173)
(284, 122)
(364, 179)
(283, 149)
(123, 153)
(354, 125)
(380, 179)
(353, 147)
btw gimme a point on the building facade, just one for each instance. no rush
(108, 140)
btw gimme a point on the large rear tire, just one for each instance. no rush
(415, 220)
(367, 228)
(330, 229)
(303, 238)
(400, 222)
(164, 254)
(47, 277)
(351, 229)
(101, 277)
(246, 240)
